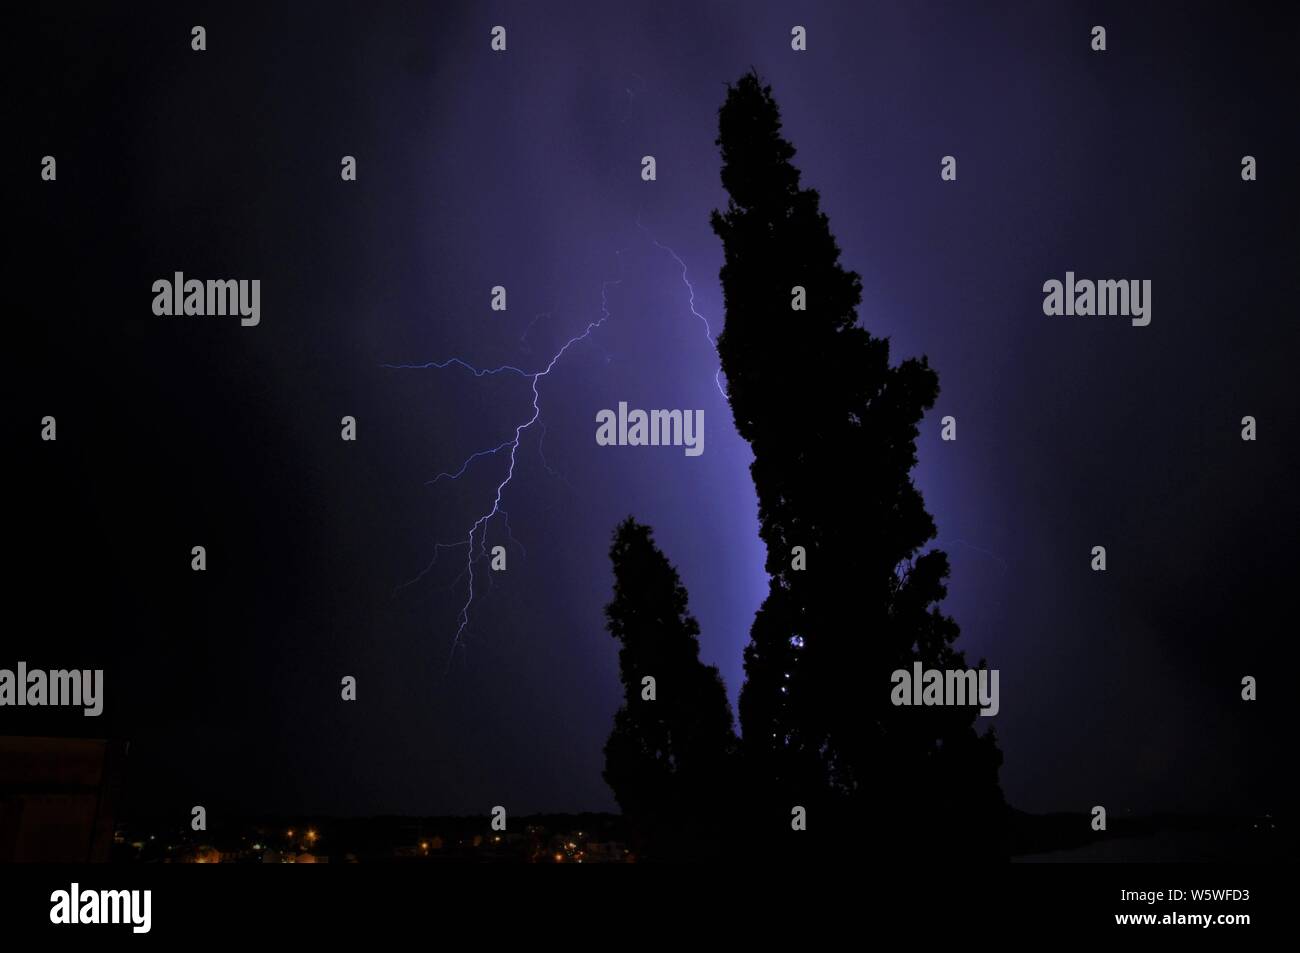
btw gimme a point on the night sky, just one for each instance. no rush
(522, 169)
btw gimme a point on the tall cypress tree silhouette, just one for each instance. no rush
(833, 428)
(668, 759)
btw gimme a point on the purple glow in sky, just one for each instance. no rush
(522, 170)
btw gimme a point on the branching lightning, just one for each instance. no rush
(475, 541)
(708, 331)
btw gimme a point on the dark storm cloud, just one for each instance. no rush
(523, 170)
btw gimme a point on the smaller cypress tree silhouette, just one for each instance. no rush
(668, 760)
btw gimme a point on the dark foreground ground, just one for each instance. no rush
(601, 838)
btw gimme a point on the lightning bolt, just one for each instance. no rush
(475, 540)
(986, 552)
(523, 338)
(690, 288)
(478, 529)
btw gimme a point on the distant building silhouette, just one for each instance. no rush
(57, 797)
